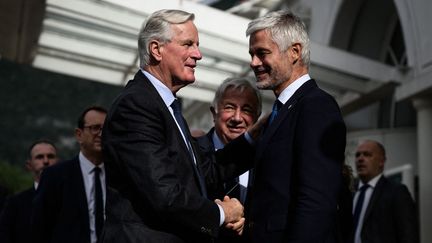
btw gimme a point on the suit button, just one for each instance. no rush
(251, 224)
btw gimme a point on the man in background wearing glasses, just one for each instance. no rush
(69, 203)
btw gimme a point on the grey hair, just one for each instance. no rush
(285, 29)
(158, 27)
(237, 83)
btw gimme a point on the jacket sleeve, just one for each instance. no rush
(45, 207)
(319, 154)
(7, 220)
(406, 217)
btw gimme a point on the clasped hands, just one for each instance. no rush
(234, 213)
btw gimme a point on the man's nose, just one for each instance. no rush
(237, 115)
(255, 61)
(46, 161)
(196, 53)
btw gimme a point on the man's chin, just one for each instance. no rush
(234, 133)
(184, 82)
(190, 79)
(264, 84)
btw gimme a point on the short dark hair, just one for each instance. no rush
(40, 141)
(81, 121)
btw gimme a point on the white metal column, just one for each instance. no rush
(424, 138)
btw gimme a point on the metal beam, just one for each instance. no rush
(355, 65)
(415, 87)
(385, 90)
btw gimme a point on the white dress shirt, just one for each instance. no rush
(286, 94)
(368, 193)
(88, 176)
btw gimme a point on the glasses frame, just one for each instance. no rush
(94, 129)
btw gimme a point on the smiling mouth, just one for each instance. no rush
(260, 73)
(237, 129)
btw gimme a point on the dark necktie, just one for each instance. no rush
(359, 204)
(98, 212)
(176, 106)
(276, 107)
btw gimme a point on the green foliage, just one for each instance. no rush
(37, 104)
(14, 178)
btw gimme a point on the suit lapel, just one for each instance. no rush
(154, 96)
(78, 194)
(182, 145)
(199, 177)
(377, 192)
(284, 113)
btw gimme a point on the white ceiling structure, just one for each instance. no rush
(97, 40)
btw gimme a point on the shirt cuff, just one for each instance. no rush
(222, 215)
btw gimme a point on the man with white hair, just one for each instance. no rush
(151, 160)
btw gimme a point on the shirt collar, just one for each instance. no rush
(286, 94)
(164, 91)
(86, 165)
(372, 183)
(217, 142)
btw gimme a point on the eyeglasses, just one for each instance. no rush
(94, 129)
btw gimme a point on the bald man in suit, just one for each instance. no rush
(386, 213)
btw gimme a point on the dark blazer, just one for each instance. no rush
(298, 171)
(4, 192)
(60, 210)
(149, 165)
(221, 186)
(391, 215)
(15, 218)
(345, 222)
(218, 187)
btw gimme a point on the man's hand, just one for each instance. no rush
(232, 208)
(237, 226)
(234, 212)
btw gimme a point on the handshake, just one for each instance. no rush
(234, 213)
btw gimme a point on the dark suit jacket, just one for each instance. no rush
(15, 218)
(4, 192)
(148, 164)
(60, 211)
(391, 215)
(217, 187)
(298, 171)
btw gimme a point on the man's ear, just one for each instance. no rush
(213, 111)
(295, 52)
(155, 50)
(28, 165)
(78, 134)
